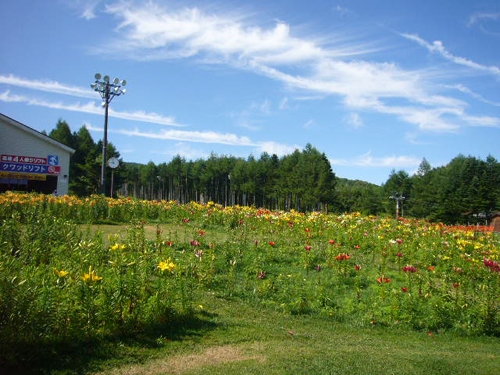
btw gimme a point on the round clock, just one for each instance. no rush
(113, 163)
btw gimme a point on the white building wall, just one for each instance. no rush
(17, 139)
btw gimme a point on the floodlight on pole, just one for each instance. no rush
(108, 90)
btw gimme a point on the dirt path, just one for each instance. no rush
(181, 364)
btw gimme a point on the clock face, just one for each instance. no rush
(113, 163)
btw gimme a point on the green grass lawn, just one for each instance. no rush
(232, 337)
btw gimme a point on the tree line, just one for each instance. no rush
(466, 190)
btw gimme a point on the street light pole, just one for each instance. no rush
(108, 90)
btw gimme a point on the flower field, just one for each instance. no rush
(61, 280)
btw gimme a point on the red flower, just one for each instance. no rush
(399, 241)
(201, 232)
(456, 285)
(399, 254)
(195, 243)
(357, 267)
(272, 243)
(357, 247)
(492, 265)
(385, 280)
(331, 242)
(307, 230)
(431, 268)
(307, 247)
(404, 289)
(409, 268)
(185, 221)
(342, 256)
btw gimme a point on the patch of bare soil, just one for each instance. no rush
(181, 364)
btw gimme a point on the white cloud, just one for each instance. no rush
(284, 104)
(354, 120)
(438, 47)
(152, 31)
(47, 86)
(308, 124)
(87, 8)
(342, 10)
(475, 95)
(91, 107)
(147, 30)
(185, 150)
(367, 160)
(185, 136)
(478, 18)
(276, 148)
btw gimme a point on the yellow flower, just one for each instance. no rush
(91, 276)
(117, 246)
(61, 273)
(167, 265)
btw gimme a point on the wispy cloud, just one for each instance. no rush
(210, 137)
(321, 67)
(367, 160)
(482, 16)
(90, 107)
(438, 47)
(475, 95)
(47, 86)
(484, 22)
(308, 124)
(190, 136)
(184, 150)
(161, 32)
(87, 8)
(354, 120)
(276, 148)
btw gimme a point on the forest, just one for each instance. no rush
(465, 191)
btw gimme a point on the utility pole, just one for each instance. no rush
(398, 197)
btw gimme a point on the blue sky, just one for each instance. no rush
(375, 85)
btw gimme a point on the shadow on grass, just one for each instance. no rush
(84, 356)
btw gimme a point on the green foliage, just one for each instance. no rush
(65, 283)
